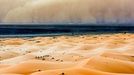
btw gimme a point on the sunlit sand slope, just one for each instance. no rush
(66, 11)
(111, 54)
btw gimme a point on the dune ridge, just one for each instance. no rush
(107, 54)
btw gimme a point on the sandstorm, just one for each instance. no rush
(66, 11)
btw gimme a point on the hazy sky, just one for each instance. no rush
(66, 11)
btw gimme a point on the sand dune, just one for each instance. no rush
(68, 55)
(66, 11)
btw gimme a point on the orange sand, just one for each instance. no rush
(111, 54)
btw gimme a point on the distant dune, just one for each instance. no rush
(66, 11)
(68, 55)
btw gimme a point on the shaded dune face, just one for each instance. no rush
(67, 11)
(68, 55)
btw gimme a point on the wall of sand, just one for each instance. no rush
(66, 11)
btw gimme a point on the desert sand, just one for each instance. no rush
(106, 54)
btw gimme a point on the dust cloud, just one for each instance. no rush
(66, 11)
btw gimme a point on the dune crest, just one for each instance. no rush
(68, 55)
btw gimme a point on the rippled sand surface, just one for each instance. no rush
(107, 54)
